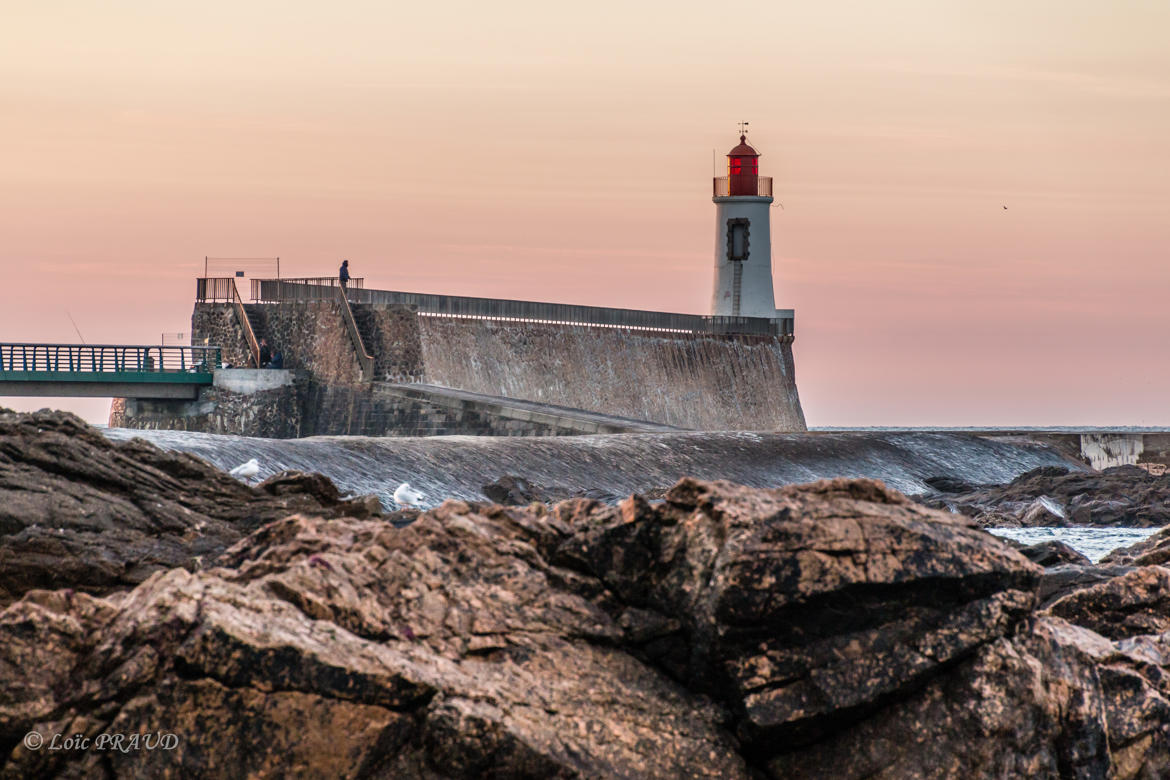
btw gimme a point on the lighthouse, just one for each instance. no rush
(743, 237)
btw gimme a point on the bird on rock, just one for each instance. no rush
(405, 495)
(246, 470)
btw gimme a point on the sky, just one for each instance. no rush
(563, 152)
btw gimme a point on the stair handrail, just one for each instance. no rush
(245, 325)
(364, 358)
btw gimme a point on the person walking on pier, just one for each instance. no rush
(343, 274)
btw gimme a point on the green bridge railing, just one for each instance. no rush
(109, 361)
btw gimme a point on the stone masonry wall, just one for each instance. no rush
(311, 408)
(216, 322)
(396, 342)
(683, 380)
(697, 382)
(311, 336)
(274, 414)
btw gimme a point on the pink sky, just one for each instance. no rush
(564, 153)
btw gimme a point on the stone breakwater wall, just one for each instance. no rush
(383, 409)
(684, 380)
(304, 406)
(273, 414)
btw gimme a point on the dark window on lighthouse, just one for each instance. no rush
(737, 239)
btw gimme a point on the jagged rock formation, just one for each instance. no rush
(1134, 603)
(1065, 578)
(827, 630)
(80, 511)
(511, 490)
(1052, 553)
(1154, 549)
(1053, 496)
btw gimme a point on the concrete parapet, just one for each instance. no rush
(252, 380)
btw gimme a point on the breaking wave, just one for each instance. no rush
(616, 465)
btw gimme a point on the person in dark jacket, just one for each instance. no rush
(265, 353)
(277, 360)
(343, 273)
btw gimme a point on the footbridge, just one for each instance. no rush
(106, 370)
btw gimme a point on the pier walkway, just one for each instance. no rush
(106, 370)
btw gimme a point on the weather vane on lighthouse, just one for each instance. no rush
(743, 129)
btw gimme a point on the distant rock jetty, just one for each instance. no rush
(836, 629)
(1053, 496)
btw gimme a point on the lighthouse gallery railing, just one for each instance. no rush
(284, 291)
(744, 186)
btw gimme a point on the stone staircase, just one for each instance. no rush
(367, 327)
(258, 320)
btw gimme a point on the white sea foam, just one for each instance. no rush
(617, 464)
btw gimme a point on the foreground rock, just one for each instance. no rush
(79, 511)
(510, 490)
(1065, 578)
(1052, 496)
(1053, 553)
(1152, 550)
(1134, 603)
(834, 629)
(804, 608)
(722, 632)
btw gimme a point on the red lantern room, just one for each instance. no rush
(743, 169)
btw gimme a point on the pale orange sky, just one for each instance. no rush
(537, 150)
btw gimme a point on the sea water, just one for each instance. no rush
(1093, 543)
(619, 464)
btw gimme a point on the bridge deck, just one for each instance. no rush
(106, 370)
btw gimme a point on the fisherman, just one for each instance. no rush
(265, 353)
(343, 274)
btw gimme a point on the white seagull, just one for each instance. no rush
(246, 470)
(405, 495)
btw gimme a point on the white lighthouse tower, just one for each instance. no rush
(743, 238)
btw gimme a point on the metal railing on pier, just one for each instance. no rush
(258, 288)
(246, 326)
(223, 289)
(108, 358)
(285, 290)
(214, 288)
(737, 186)
(365, 359)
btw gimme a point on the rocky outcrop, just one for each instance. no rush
(1153, 550)
(827, 630)
(1062, 579)
(1053, 496)
(1024, 706)
(512, 490)
(722, 632)
(804, 609)
(1134, 603)
(1052, 553)
(79, 511)
(350, 648)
